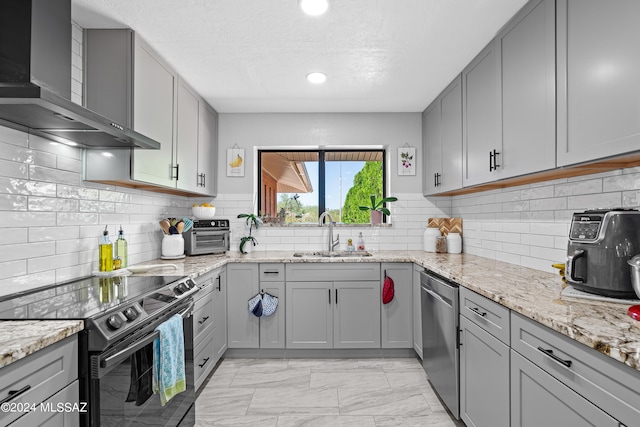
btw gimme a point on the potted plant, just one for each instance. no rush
(251, 221)
(377, 208)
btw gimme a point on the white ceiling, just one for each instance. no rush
(253, 55)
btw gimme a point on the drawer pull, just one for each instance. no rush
(204, 362)
(271, 272)
(477, 311)
(15, 393)
(204, 319)
(549, 353)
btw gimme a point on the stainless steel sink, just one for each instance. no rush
(332, 254)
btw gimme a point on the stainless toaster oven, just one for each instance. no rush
(207, 237)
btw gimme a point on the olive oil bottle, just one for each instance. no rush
(121, 249)
(105, 252)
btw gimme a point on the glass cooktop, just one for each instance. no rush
(81, 299)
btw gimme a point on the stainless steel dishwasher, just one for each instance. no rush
(439, 304)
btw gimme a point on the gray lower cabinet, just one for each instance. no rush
(484, 377)
(243, 328)
(333, 314)
(417, 311)
(219, 295)
(48, 376)
(397, 316)
(484, 361)
(272, 328)
(538, 399)
(203, 330)
(588, 383)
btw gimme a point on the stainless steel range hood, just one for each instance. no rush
(35, 79)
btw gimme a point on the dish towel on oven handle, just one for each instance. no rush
(168, 360)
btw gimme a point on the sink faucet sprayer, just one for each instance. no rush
(331, 243)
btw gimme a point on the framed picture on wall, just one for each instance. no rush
(406, 161)
(235, 161)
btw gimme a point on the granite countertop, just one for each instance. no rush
(535, 294)
(20, 338)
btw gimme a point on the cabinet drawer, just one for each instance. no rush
(202, 318)
(205, 283)
(608, 384)
(49, 413)
(327, 272)
(41, 375)
(271, 272)
(203, 359)
(489, 315)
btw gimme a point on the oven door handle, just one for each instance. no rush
(116, 358)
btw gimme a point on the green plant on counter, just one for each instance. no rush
(378, 204)
(251, 221)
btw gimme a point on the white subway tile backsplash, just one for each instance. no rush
(587, 186)
(595, 201)
(542, 192)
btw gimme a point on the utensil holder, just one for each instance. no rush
(172, 245)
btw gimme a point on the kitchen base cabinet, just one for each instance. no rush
(538, 399)
(484, 377)
(309, 315)
(47, 375)
(272, 328)
(40, 418)
(220, 315)
(326, 315)
(243, 328)
(397, 315)
(417, 311)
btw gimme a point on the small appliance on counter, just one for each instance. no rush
(601, 242)
(207, 237)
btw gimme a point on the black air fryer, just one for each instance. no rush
(600, 243)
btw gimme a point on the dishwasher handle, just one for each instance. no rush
(435, 295)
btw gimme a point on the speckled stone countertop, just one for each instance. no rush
(20, 338)
(603, 326)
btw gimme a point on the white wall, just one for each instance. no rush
(391, 131)
(529, 225)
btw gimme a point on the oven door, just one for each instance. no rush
(121, 383)
(209, 242)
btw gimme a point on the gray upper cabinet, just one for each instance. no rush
(527, 48)
(186, 167)
(207, 150)
(128, 82)
(509, 100)
(397, 315)
(442, 141)
(482, 117)
(598, 83)
(243, 328)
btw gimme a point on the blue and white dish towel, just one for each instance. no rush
(168, 360)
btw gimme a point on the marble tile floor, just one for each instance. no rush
(319, 393)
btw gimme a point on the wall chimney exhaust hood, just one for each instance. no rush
(35, 79)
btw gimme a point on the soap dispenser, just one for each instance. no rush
(360, 242)
(105, 252)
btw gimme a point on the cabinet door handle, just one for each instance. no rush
(204, 319)
(435, 179)
(204, 180)
(493, 160)
(15, 393)
(549, 353)
(438, 180)
(336, 296)
(204, 362)
(219, 283)
(477, 311)
(177, 168)
(329, 296)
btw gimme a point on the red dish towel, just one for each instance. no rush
(387, 289)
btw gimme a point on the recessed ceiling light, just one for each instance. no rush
(316, 78)
(314, 7)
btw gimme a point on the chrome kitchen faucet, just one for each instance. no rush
(331, 243)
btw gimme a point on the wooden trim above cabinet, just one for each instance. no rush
(619, 162)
